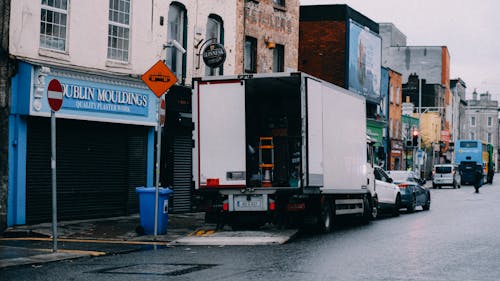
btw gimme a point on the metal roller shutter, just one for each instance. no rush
(98, 167)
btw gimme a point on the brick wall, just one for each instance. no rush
(264, 20)
(322, 50)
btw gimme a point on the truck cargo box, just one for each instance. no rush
(287, 131)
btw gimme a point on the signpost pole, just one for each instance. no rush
(159, 78)
(55, 99)
(158, 155)
(54, 186)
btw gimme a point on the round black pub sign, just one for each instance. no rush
(214, 55)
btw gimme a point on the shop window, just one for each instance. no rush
(177, 26)
(279, 58)
(215, 31)
(119, 30)
(250, 58)
(53, 24)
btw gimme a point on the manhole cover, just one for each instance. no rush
(156, 269)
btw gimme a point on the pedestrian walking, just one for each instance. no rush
(477, 178)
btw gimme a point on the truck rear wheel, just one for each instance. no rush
(325, 217)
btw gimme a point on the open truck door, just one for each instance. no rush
(220, 134)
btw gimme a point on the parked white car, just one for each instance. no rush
(389, 194)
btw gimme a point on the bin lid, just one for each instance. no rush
(161, 190)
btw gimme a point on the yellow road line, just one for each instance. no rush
(86, 241)
(77, 252)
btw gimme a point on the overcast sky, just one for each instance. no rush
(470, 30)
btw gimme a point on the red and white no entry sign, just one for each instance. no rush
(55, 94)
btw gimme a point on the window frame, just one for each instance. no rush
(252, 41)
(279, 3)
(44, 23)
(490, 121)
(122, 54)
(279, 58)
(473, 121)
(175, 59)
(220, 39)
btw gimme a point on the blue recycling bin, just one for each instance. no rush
(147, 208)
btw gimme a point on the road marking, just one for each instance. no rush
(87, 241)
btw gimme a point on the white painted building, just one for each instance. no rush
(98, 51)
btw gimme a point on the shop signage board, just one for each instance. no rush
(55, 94)
(159, 78)
(214, 55)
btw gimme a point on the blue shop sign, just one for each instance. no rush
(89, 96)
(102, 99)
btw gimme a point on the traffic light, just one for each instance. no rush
(415, 138)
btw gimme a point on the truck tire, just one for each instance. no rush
(325, 217)
(370, 211)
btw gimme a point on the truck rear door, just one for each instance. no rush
(220, 127)
(315, 133)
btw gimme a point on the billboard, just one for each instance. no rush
(364, 59)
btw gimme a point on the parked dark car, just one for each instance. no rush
(413, 192)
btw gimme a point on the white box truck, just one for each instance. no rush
(282, 148)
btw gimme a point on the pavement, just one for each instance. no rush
(34, 245)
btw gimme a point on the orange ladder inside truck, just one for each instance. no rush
(266, 160)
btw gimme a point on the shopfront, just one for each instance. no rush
(375, 130)
(105, 144)
(396, 155)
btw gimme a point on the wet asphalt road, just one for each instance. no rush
(458, 239)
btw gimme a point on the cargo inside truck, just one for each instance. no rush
(273, 131)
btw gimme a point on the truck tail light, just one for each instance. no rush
(272, 205)
(225, 206)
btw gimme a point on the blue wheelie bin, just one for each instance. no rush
(147, 208)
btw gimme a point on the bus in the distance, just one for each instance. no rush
(471, 155)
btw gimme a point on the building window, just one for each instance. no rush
(119, 30)
(279, 3)
(250, 58)
(279, 58)
(215, 31)
(472, 135)
(473, 121)
(489, 137)
(176, 31)
(53, 24)
(490, 121)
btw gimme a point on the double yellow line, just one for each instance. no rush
(92, 253)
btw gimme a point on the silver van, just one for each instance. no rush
(445, 175)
